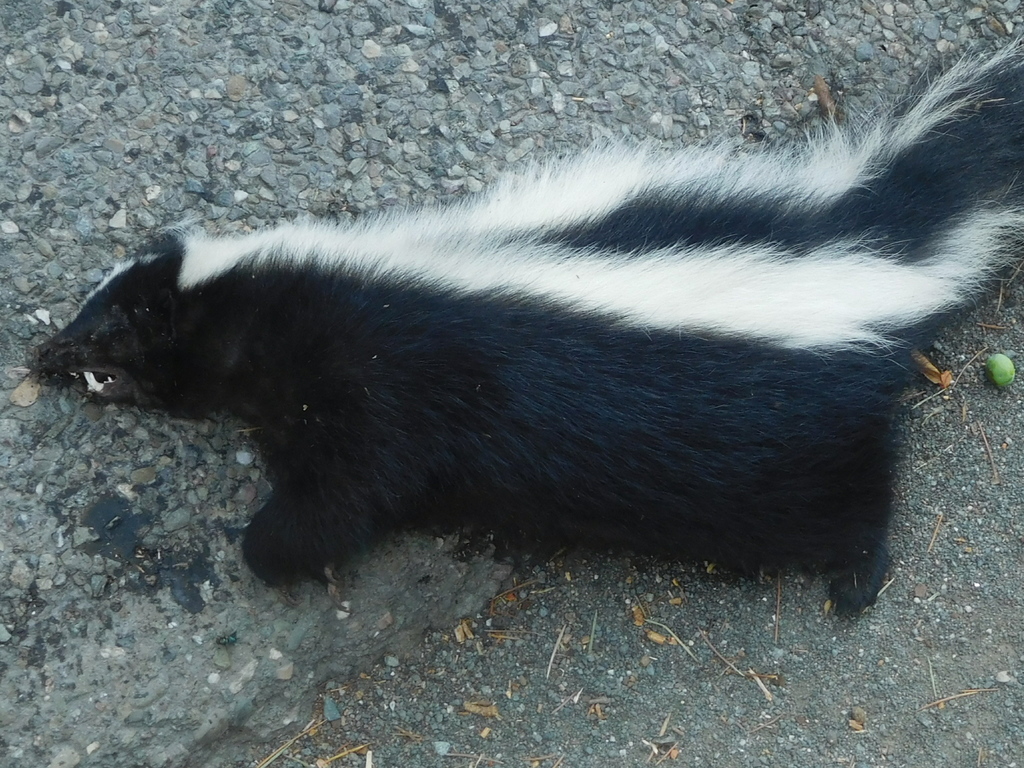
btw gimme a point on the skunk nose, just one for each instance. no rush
(53, 355)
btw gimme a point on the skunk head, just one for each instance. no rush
(123, 343)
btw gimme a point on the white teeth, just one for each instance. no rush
(92, 383)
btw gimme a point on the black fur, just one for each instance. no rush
(377, 403)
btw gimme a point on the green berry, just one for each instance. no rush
(1000, 370)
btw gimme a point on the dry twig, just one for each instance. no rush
(988, 451)
(345, 753)
(554, 651)
(674, 637)
(935, 534)
(750, 675)
(312, 726)
(962, 694)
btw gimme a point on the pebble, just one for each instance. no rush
(143, 475)
(285, 671)
(371, 49)
(391, 661)
(32, 83)
(547, 28)
(1004, 677)
(119, 220)
(8, 227)
(331, 711)
(176, 519)
(236, 87)
(65, 757)
(864, 51)
(442, 748)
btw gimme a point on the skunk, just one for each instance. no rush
(696, 354)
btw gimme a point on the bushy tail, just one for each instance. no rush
(859, 236)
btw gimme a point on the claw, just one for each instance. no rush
(290, 596)
(334, 585)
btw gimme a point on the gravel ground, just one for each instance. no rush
(120, 117)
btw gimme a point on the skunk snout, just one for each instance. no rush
(55, 356)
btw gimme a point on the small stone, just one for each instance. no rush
(1004, 677)
(240, 196)
(26, 393)
(290, 115)
(371, 49)
(222, 657)
(331, 711)
(546, 28)
(143, 476)
(4, 634)
(442, 747)
(119, 220)
(236, 87)
(864, 51)
(47, 145)
(244, 458)
(177, 519)
(83, 535)
(417, 29)
(153, 192)
(66, 757)
(931, 29)
(21, 575)
(391, 661)
(20, 120)
(8, 227)
(285, 672)
(97, 584)
(32, 84)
